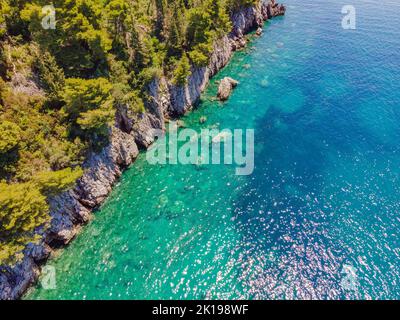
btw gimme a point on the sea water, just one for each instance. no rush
(319, 217)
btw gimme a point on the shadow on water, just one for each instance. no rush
(288, 214)
(280, 219)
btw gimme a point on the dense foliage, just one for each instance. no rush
(60, 87)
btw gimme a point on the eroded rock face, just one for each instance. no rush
(184, 98)
(246, 19)
(103, 169)
(15, 281)
(225, 88)
(73, 208)
(274, 9)
(146, 129)
(70, 209)
(21, 83)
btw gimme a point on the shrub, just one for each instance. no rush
(9, 136)
(182, 71)
(23, 208)
(88, 106)
(53, 182)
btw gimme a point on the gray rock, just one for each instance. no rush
(274, 9)
(225, 88)
(184, 98)
(146, 129)
(103, 169)
(14, 281)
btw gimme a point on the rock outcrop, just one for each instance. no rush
(225, 88)
(73, 208)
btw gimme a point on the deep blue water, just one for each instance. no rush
(323, 205)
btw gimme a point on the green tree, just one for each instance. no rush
(182, 71)
(9, 136)
(5, 10)
(24, 208)
(219, 16)
(80, 41)
(51, 76)
(51, 183)
(177, 25)
(88, 106)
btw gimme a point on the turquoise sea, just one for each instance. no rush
(320, 216)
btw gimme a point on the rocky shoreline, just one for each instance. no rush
(72, 209)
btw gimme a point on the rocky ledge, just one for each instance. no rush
(73, 208)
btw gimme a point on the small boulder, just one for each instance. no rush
(203, 120)
(180, 124)
(225, 88)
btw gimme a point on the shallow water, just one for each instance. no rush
(319, 218)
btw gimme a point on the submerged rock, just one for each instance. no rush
(203, 120)
(225, 88)
(264, 83)
(181, 124)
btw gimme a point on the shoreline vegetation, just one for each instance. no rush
(77, 103)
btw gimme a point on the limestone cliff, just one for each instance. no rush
(73, 208)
